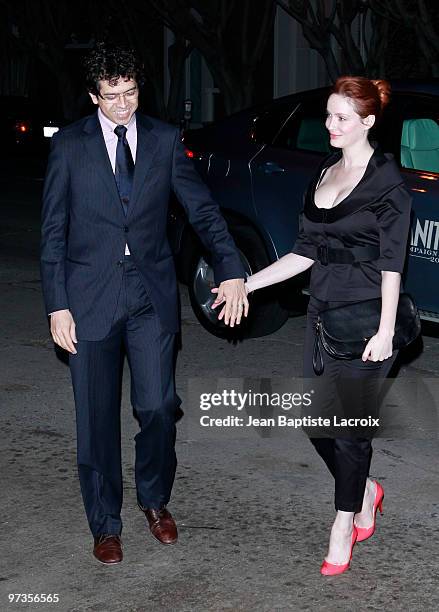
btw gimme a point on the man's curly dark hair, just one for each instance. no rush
(108, 63)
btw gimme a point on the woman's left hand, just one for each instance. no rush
(379, 347)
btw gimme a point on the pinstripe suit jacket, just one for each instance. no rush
(84, 229)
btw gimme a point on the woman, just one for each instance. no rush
(357, 210)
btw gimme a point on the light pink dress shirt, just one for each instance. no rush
(110, 139)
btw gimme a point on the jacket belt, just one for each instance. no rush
(330, 255)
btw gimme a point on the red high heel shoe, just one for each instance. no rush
(366, 532)
(331, 569)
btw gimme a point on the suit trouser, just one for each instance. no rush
(354, 387)
(96, 372)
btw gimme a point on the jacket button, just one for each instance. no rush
(126, 229)
(125, 200)
(120, 262)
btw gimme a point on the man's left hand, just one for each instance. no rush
(233, 293)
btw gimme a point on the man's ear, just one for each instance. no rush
(369, 121)
(93, 97)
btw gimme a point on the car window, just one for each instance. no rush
(306, 129)
(420, 133)
(268, 123)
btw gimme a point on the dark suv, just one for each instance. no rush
(25, 127)
(258, 164)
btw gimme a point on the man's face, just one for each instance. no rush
(115, 106)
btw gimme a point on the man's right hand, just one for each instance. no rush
(63, 330)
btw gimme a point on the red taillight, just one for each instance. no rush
(22, 126)
(190, 154)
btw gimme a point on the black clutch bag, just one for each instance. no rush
(343, 332)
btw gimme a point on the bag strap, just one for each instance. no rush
(317, 358)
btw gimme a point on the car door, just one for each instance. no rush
(419, 160)
(281, 171)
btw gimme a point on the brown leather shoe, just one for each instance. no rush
(161, 524)
(108, 549)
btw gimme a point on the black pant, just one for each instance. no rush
(350, 388)
(96, 372)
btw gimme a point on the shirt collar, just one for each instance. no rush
(108, 125)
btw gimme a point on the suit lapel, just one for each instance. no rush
(380, 177)
(95, 147)
(147, 144)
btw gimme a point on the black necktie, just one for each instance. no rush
(124, 169)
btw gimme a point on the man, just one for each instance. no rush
(109, 282)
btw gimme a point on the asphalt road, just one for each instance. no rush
(253, 505)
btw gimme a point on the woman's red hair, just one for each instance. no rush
(368, 97)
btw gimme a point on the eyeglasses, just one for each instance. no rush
(131, 94)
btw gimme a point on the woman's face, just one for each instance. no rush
(344, 125)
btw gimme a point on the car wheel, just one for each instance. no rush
(265, 314)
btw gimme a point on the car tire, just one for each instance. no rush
(265, 314)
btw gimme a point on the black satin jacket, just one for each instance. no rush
(376, 213)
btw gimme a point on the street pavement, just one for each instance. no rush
(253, 506)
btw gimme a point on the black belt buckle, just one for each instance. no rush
(322, 254)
